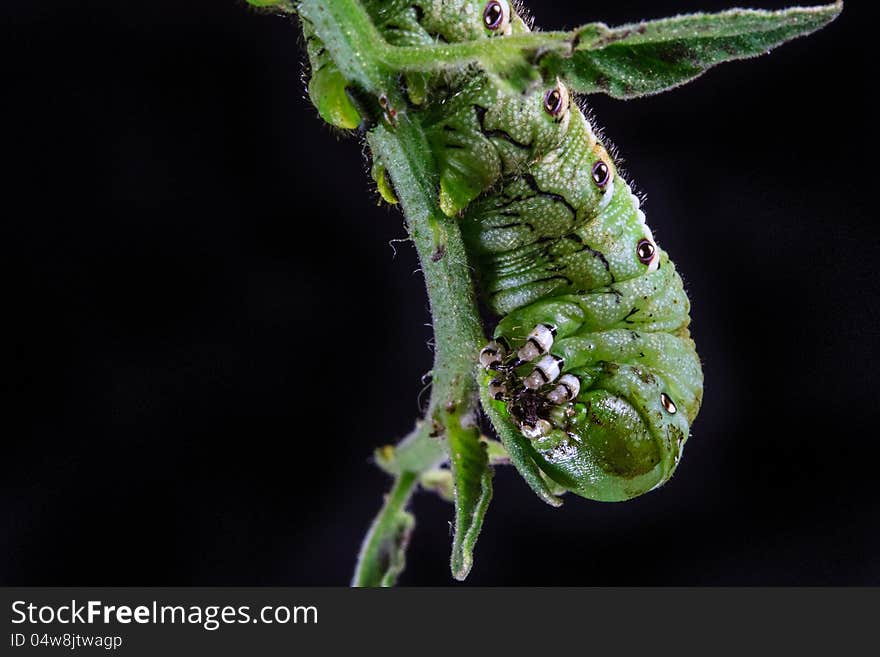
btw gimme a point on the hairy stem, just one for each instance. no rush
(440, 57)
(457, 329)
(399, 143)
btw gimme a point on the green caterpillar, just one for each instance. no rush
(592, 361)
(592, 368)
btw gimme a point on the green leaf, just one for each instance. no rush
(383, 553)
(654, 56)
(517, 448)
(394, 550)
(624, 62)
(472, 478)
(439, 480)
(328, 94)
(497, 454)
(419, 451)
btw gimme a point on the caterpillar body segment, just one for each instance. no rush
(639, 385)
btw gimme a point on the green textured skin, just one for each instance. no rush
(552, 247)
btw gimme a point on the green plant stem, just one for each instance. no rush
(457, 329)
(458, 334)
(441, 57)
(366, 57)
(400, 144)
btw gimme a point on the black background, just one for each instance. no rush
(210, 331)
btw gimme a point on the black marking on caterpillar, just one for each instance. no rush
(529, 179)
(632, 312)
(500, 134)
